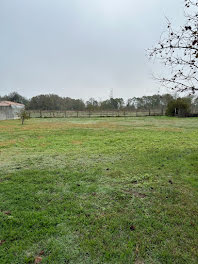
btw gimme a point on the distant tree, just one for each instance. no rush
(155, 101)
(68, 103)
(40, 102)
(130, 104)
(92, 104)
(106, 105)
(178, 50)
(55, 102)
(178, 107)
(165, 99)
(119, 103)
(15, 97)
(112, 104)
(23, 115)
(78, 105)
(46, 102)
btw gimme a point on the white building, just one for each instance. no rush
(10, 110)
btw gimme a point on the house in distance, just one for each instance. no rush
(10, 110)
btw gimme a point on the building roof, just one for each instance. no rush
(9, 103)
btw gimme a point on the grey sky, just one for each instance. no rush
(81, 48)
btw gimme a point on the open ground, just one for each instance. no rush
(109, 190)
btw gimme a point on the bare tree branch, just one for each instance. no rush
(178, 49)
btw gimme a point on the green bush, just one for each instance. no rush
(178, 107)
(23, 115)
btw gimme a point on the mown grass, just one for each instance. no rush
(114, 190)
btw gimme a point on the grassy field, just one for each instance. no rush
(117, 190)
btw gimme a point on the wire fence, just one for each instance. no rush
(78, 114)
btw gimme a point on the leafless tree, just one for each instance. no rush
(178, 50)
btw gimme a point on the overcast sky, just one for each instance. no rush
(81, 48)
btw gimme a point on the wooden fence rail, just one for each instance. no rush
(70, 114)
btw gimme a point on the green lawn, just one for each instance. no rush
(109, 190)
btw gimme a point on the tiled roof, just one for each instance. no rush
(9, 103)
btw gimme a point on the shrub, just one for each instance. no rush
(178, 107)
(23, 115)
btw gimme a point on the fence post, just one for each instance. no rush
(77, 114)
(149, 111)
(40, 114)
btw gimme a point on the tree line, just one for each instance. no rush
(55, 102)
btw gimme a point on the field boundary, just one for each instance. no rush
(77, 114)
